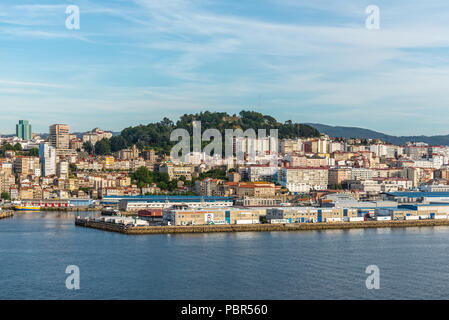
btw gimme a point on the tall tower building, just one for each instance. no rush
(47, 158)
(59, 136)
(23, 130)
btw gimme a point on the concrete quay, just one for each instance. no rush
(137, 230)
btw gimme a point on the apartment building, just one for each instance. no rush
(209, 187)
(339, 175)
(361, 174)
(27, 166)
(177, 171)
(303, 179)
(256, 190)
(262, 173)
(287, 146)
(59, 136)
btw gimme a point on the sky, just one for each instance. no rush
(136, 61)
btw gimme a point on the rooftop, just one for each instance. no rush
(412, 194)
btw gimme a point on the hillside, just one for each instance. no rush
(157, 135)
(355, 132)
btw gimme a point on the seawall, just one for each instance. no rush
(106, 226)
(6, 214)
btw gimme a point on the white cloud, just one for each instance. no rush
(211, 59)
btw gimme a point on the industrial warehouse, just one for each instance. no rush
(184, 211)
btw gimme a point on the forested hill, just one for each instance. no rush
(355, 132)
(157, 135)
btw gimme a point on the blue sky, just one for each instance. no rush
(136, 61)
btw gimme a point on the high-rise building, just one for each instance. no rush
(23, 130)
(62, 169)
(47, 158)
(27, 165)
(59, 136)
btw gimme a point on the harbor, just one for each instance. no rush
(109, 261)
(131, 229)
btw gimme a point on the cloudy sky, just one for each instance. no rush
(136, 61)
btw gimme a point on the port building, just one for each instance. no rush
(153, 202)
(213, 216)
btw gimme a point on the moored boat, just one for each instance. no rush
(108, 211)
(26, 208)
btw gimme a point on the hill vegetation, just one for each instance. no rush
(360, 133)
(157, 135)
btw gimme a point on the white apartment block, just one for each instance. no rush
(262, 173)
(361, 174)
(304, 179)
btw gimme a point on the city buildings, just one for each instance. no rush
(151, 202)
(96, 135)
(303, 179)
(47, 158)
(59, 136)
(27, 165)
(24, 130)
(214, 216)
(322, 172)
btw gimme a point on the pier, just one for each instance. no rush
(137, 230)
(6, 214)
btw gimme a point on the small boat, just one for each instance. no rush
(26, 208)
(108, 211)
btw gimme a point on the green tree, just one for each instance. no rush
(102, 147)
(17, 147)
(72, 167)
(7, 147)
(142, 176)
(214, 174)
(163, 185)
(5, 196)
(88, 147)
(140, 145)
(164, 177)
(157, 135)
(34, 152)
(117, 143)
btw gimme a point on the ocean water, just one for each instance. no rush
(36, 248)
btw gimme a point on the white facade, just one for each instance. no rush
(361, 174)
(47, 158)
(262, 173)
(434, 188)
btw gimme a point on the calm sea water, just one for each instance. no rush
(36, 248)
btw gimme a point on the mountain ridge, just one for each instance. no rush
(360, 133)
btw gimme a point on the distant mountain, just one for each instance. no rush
(355, 132)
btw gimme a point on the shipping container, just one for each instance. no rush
(141, 223)
(220, 222)
(383, 218)
(276, 221)
(411, 218)
(333, 219)
(247, 221)
(441, 217)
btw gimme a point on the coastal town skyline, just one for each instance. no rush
(223, 159)
(11, 131)
(133, 184)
